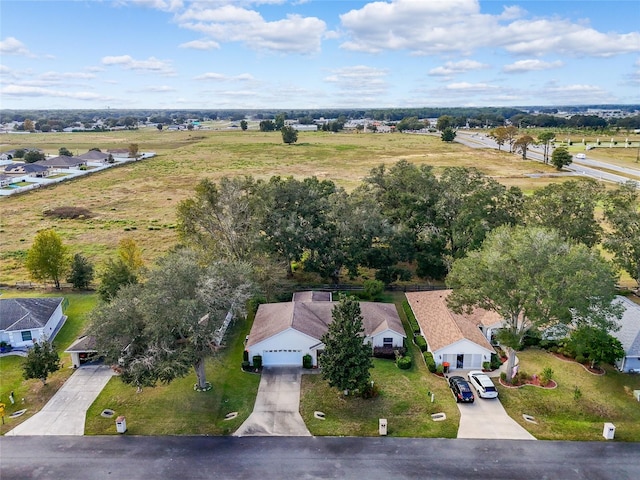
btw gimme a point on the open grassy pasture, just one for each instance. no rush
(404, 401)
(34, 393)
(139, 200)
(561, 415)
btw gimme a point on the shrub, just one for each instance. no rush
(388, 352)
(413, 323)
(246, 365)
(307, 361)
(373, 289)
(486, 365)
(420, 342)
(440, 369)
(503, 376)
(553, 349)
(495, 362)
(371, 391)
(431, 363)
(404, 363)
(257, 361)
(245, 356)
(546, 375)
(580, 358)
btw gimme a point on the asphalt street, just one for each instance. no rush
(159, 458)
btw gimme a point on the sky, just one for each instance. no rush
(308, 54)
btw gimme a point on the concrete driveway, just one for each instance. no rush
(487, 418)
(277, 408)
(65, 413)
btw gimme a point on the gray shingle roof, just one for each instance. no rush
(629, 333)
(26, 313)
(62, 161)
(25, 167)
(94, 155)
(86, 343)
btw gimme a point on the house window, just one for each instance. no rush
(26, 335)
(387, 342)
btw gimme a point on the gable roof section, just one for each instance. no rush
(313, 318)
(629, 333)
(62, 161)
(312, 296)
(25, 168)
(94, 155)
(26, 313)
(441, 326)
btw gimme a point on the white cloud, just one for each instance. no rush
(231, 23)
(4, 70)
(360, 82)
(152, 64)
(66, 75)
(451, 68)
(164, 5)
(467, 87)
(13, 46)
(459, 26)
(200, 44)
(221, 77)
(159, 88)
(574, 94)
(29, 91)
(531, 65)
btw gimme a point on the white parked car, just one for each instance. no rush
(483, 384)
(581, 156)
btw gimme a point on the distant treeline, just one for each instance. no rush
(462, 116)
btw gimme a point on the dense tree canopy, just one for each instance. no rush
(561, 158)
(42, 360)
(48, 258)
(535, 281)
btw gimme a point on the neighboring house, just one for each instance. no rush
(30, 169)
(24, 321)
(458, 339)
(629, 336)
(5, 180)
(95, 156)
(63, 162)
(119, 152)
(284, 332)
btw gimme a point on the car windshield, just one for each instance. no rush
(464, 387)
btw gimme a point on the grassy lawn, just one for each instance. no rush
(34, 393)
(404, 401)
(176, 409)
(560, 416)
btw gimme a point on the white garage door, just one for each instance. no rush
(282, 357)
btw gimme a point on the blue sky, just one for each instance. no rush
(292, 54)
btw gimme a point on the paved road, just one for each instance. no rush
(578, 167)
(160, 458)
(276, 411)
(65, 413)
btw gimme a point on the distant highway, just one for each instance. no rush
(583, 167)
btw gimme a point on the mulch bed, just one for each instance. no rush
(533, 382)
(593, 371)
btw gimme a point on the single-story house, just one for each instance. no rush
(62, 162)
(5, 180)
(82, 350)
(282, 333)
(457, 339)
(30, 169)
(629, 335)
(119, 152)
(24, 321)
(94, 156)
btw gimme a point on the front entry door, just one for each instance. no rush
(460, 360)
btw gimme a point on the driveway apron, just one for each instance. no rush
(65, 413)
(487, 418)
(277, 408)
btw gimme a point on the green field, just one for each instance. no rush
(139, 200)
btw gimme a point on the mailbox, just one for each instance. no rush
(382, 426)
(609, 431)
(121, 424)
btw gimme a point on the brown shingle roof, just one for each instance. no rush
(441, 326)
(313, 318)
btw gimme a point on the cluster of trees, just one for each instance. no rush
(510, 135)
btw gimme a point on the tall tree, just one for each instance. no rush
(448, 135)
(522, 145)
(160, 330)
(444, 122)
(28, 125)
(346, 359)
(622, 214)
(535, 281)
(499, 134)
(133, 150)
(221, 219)
(289, 135)
(569, 208)
(511, 132)
(130, 254)
(65, 152)
(42, 359)
(545, 139)
(48, 258)
(33, 156)
(81, 274)
(115, 275)
(244, 125)
(561, 158)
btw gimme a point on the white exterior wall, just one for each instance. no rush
(378, 339)
(53, 322)
(14, 338)
(627, 364)
(289, 339)
(474, 355)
